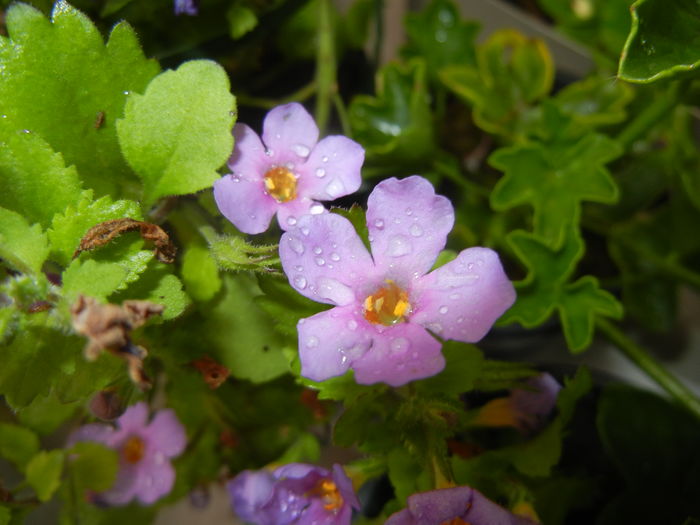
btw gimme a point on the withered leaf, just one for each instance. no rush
(106, 231)
(108, 327)
(214, 373)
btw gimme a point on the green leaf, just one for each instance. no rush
(595, 101)
(358, 218)
(546, 287)
(92, 278)
(241, 20)
(157, 285)
(242, 334)
(23, 246)
(306, 449)
(17, 444)
(178, 133)
(407, 476)
(554, 179)
(663, 41)
(439, 36)
(34, 180)
(44, 473)
(5, 515)
(396, 126)
(512, 72)
(200, 273)
(92, 466)
(46, 413)
(59, 77)
(463, 367)
(68, 229)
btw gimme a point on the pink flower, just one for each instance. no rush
(144, 448)
(386, 304)
(288, 173)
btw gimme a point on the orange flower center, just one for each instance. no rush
(281, 184)
(388, 305)
(455, 521)
(328, 492)
(133, 449)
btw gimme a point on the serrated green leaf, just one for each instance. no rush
(463, 367)
(17, 444)
(662, 42)
(68, 228)
(512, 72)
(44, 473)
(46, 413)
(23, 246)
(157, 285)
(92, 466)
(178, 133)
(92, 278)
(554, 179)
(438, 35)
(396, 126)
(59, 78)
(595, 100)
(200, 273)
(546, 288)
(34, 180)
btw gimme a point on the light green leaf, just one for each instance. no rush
(595, 101)
(663, 41)
(23, 246)
(59, 78)
(44, 473)
(157, 285)
(46, 413)
(92, 278)
(5, 515)
(200, 273)
(34, 180)
(68, 229)
(17, 444)
(177, 134)
(241, 20)
(92, 466)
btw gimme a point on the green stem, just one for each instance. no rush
(652, 368)
(343, 116)
(268, 103)
(659, 109)
(325, 64)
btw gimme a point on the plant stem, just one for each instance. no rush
(653, 113)
(652, 368)
(325, 64)
(342, 113)
(268, 103)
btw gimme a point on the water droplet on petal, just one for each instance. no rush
(301, 150)
(235, 178)
(318, 250)
(305, 230)
(399, 345)
(409, 211)
(269, 152)
(416, 230)
(324, 159)
(300, 282)
(299, 268)
(434, 327)
(379, 224)
(312, 342)
(291, 220)
(334, 188)
(320, 173)
(316, 209)
(334, 290)
(398, 246)
(460, 319)
(352, 324)
(470, 267)
(335, 257)
(454, 296)
(443, 309)
(320, 261)
(296, 245)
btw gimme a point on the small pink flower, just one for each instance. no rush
(288, 173)
(145, 450)
(386, 304)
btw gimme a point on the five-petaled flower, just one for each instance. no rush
(454, 506)
(144, 448)
(386, 303)
(287, 174)
(293, 494)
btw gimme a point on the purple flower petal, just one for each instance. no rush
(531, 407)
(134, 419)
(154, 481)
(408, 226)
(167, 434)
(333, 169)
(290, 132)
(248, 159)
(93, 432)
(462, 299)
(289, 213)
(400, 354)
(342, 481)
(185, 7)
(249, 491)
(325, 260)
(244, 203)
(329, 342)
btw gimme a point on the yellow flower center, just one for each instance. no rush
(455, 521)
(281, 184)
(388, 305)
(133, 449)
(328, 492)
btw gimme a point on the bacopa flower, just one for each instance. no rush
(145, 450)
(287, 174)
(386, 303)
(526, 408)
(454, 506)
(293, 494)
(185, 7)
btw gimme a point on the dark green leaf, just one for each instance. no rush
(46, 413)
(17, 444)
(463, 367)
(92, 466)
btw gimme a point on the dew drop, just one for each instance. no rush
(416, 230)
(397, 220)
(454, 296)
(460, 319)
(296, 245)
(301, 150)
(291, 220)
(318, 250)
(443, 309)
(235, 178)
(320, 261)
(470, 267)
(127, 93)
(409, 211)
(399, 345)
(320, 173)
(300, 282)
(305, 230)
(335, 257)
(334, 188)
(324, 159)
(352, 324)
(379, 224)
(299, 268)
(435, 327)
(398, 246)
(316, 209)
(312, 342)
(269, 152)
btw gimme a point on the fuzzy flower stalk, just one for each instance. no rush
(145, 450)
(388, 304)
(293, 494)
(286, 173)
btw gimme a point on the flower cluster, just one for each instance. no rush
(145, 450)
(293, 494)
(287, 173)
(454, 506)
(386, 303)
